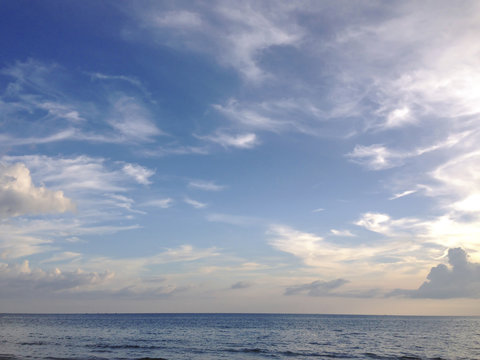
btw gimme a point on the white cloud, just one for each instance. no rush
(244, 115)
(80, 173)
(345, 233)
(402, 194)
(241, 141)
(312, 249)
(181, 19)
(161, 203)
(48, 112)
(132, 120)
(196, 204)
(384, 224)
(235, 34)
(398, 117)
(139, 173)
(205, 185)
(374, 157)
(19, 196)
(379, 157)
(397, 256)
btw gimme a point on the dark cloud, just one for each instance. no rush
(316, 288)
(241, 285)
(459, 280)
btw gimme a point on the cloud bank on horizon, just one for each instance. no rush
(159, 152)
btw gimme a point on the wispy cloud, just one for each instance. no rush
(236, 35)
(402, 194)
(36, 95)
(131, 120)
(316, 288)
(205, 185)
(379, 157)
(241, 141)
(194, 203)
(161, 203)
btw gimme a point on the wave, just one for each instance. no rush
(124, 346)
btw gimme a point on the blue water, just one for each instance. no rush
(233, 336)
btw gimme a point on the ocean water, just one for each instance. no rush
(234, 336)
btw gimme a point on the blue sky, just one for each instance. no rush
(264, 156)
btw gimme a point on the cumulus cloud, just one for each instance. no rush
(316, 288)
(19, 196)
(18, 279)
(459, 279)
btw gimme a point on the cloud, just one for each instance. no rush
(132, 120)
(205, 185)
(161, 203)
(196, 204)
(237, 35)
(274, 115)
(379, 157)
(461, 279)
(139, 173)
(233, 219)
(240, 141)
(384, 224)
(398, 117)
(316, 288)
(400, 252)
(374, 157)
(240, 285)
(181, 19)
(38, 102)
(20, 279)
(82, 173)
(346, 233)
(19, 196)
(402, 194)
(314, 250)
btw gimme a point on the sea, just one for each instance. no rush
(236, 336)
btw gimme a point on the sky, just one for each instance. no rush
(251, 156)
